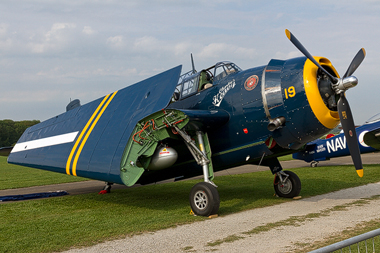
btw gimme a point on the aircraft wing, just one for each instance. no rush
(372, 138)
(204, 120)
(89, 140)
(307, 154)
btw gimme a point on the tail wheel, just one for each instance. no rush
(290, 188)
(204, 199)
(314, 164)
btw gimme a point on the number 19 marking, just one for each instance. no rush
(290, 92)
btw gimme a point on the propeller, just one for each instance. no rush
(340, 85)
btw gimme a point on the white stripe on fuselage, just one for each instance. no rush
(45, 142)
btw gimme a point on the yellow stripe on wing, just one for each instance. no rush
(88, 134)
(96, 115)
(68, 163)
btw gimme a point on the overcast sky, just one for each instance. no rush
(54, 51)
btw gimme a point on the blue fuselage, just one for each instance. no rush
(89, 140)
(336, 146)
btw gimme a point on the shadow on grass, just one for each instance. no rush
(239, 192)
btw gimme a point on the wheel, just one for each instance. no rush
(204, 199)
(291, 188)
(314, 164)
(108, 187)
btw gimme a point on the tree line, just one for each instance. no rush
(11, 131)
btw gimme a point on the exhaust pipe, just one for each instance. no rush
(276, 123)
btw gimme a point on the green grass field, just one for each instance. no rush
(14, 176)
(56, 224)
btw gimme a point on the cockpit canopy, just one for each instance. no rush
(373, 119)
(193, 82)
(223, 69)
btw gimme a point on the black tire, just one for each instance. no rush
(291, 188)
(204, 199)
(313, 164)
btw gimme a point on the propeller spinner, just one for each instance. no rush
(340, 85)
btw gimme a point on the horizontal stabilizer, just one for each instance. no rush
(5, 151)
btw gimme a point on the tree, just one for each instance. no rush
(11, 131)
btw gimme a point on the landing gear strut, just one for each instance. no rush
(204, 197)
(107, 188)
(287, 184)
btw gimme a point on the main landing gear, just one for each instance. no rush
(287, 184)
(204, 197)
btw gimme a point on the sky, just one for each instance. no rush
(52, 52)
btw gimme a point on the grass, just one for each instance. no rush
(230, 238)
(57, 224)
(285, 158)
(14, 176)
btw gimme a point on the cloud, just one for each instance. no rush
(182, 48)
(3, 29)
(30, 96)
(5, 41)
(88, 30)
(148, 44)
(217, 50)
(116, 42)
(49, 44)
(55, 39)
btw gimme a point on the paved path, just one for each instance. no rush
(280, 228)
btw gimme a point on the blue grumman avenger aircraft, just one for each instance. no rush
(324, 149)
(180, 126)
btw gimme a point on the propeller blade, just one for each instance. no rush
(359, 57)
(340, 85)
(348, 125)
(303, 50)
